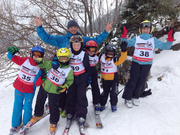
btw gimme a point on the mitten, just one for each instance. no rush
(124, 31)
(62, 88)
(13, 50)
(55, 63)
(170, 34)
(39, 61)
(123, 46)
(44, 74)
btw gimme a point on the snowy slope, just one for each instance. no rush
(158, 114)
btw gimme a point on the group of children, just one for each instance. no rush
(68, 78)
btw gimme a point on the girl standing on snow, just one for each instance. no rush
(25, 84)
(142, 60)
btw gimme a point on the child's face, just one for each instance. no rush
(110, 54)
(145, 30)
(76, 46)
(91, 53)
(37, 55)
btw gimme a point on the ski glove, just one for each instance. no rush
(170, 33)
(123, 46)
(44, 74)
(62, 88)
(39, 61)
(13, 50)
(124, 30)
(55, 63)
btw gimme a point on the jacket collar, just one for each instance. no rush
(145, 36)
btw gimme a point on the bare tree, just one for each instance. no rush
(18, 27)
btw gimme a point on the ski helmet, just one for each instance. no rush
(76, 39)
(110, 48)
(37, 49)
(144, 24)
(63, 54)
(91, 44)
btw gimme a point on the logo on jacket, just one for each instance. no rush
(31, 71)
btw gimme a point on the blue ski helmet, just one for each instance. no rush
(38, 49)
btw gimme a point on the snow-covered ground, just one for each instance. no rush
(158, 114)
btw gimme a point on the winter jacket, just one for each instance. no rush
(61, 41)
(117, 61)
(49, 86)
(158, 44)
(19, 85)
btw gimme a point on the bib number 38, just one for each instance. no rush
(144, 53)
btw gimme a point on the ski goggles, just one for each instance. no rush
(38, 54)
(63, 58)
(146, 24)
(76, 38)
(110, 53)
(92, 49)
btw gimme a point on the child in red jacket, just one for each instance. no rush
(29, 77)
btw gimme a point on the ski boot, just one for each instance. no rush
(113, 108)
(13, 130)
(52, 129)
(102, 108)
(97, 108)
(81, 122)
(128, 103)
(135, 101)
(63, 114)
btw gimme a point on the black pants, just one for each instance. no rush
(95, 87)
(76, 102)
(110, 86)
(62, 100)
(53, 105)
(138, 76)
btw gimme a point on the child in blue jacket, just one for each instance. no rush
(142, 60)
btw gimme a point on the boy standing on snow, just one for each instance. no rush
(25, 84)
(58, 81)
(142, 60)
(91, 49)
(76, 103)
(109, 74)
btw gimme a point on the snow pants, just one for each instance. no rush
(22, 101)
(95, 87)
(110, 87)
(76, 102)
(62, 100)
(138, 76)
(53, 105)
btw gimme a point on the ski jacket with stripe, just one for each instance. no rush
(18, 83)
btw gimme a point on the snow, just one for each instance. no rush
(157, 114)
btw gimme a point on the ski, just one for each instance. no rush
(68, 125)
(23, 129)
(81, 130)
(52, 133)
(98, 120)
